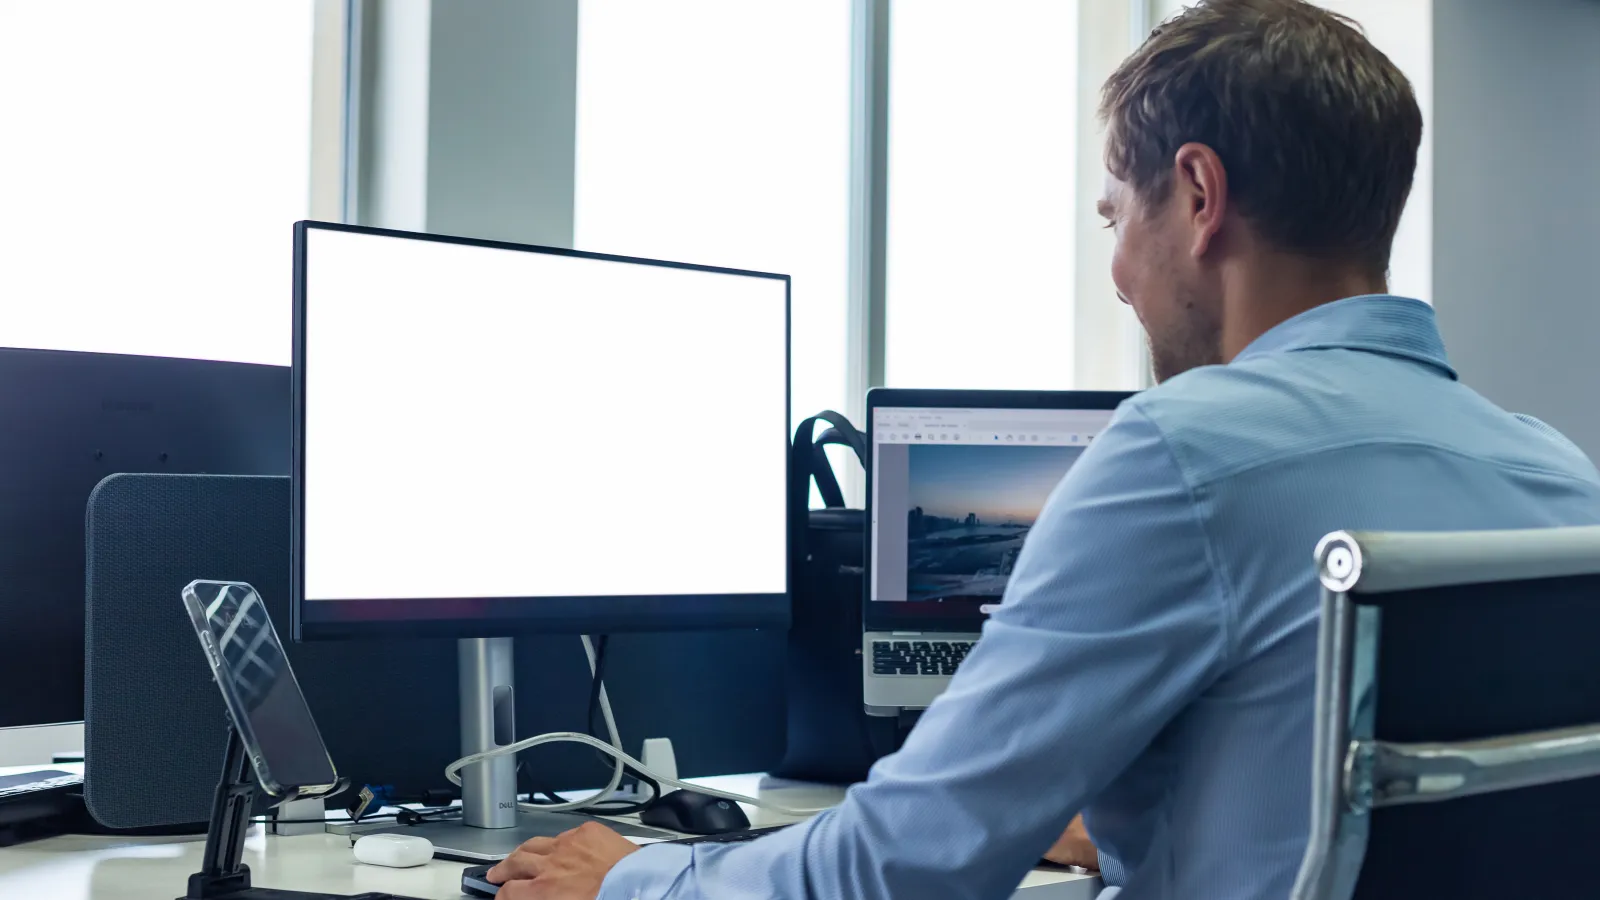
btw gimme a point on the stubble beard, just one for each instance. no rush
(1195, 342)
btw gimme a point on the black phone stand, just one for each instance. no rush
(223, 875)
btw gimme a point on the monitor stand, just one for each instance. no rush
(491, 824)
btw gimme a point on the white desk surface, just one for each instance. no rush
(77, 867)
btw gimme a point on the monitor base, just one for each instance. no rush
(275, 894)
(464, 843)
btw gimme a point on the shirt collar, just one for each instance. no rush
(1376, 323)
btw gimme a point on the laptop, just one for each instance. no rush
(955, 481)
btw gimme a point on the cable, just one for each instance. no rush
(423, 816)
(596, 679)
(536, 791)
(616, 807)
(598, 689)
(597, 682)
(623, 807)
(614, 751)
(453, 770)
(344, 820)
(404, 817)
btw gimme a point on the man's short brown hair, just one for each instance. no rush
(1317, 129)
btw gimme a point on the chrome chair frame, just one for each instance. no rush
(1352, 773)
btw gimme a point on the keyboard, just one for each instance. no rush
(732, 837)
(26, 783)
(918, 657)
(36, 802)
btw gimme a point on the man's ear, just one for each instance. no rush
(1201, 187)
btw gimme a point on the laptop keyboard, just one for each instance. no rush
(33, 782)
(918, 657)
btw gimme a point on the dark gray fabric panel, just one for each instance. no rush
(155, 729)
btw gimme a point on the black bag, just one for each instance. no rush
(830, 737)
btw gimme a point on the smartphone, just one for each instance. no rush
(259, 689)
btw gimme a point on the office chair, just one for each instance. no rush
(1457, 717)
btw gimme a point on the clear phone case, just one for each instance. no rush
(259, 689)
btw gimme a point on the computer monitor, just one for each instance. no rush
(67, 420)
(494, 439)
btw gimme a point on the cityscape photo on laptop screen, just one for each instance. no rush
(972, 506)
(956, 493)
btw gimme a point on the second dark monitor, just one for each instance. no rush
(67, 420)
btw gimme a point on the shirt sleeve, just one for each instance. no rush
(1113, 621)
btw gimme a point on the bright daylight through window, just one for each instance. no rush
(158, 155)
(1403, 30)
(718, 132)
(982, 149)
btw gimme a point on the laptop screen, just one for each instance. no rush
(955, 493)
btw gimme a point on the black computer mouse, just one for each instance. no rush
(692, 812)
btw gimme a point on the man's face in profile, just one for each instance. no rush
(1155, 274)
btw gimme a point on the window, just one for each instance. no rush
(156, 156)
(981, 197)
(718, 132)
(1403, 30)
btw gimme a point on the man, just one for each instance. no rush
(1153, 661)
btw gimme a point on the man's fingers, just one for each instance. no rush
(522, 864)
(518, 890)
(539, 845)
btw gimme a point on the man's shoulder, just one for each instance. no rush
(1217, 421)
(1222, 419)
(1196, 395)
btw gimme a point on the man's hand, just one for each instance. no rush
(1074, 848)
(569, 867)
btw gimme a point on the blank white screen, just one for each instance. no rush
(483, 422)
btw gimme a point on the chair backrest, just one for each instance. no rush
(1458, 716)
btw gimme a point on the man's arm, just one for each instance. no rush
(1113, 622)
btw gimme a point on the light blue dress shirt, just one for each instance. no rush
(1152, 663)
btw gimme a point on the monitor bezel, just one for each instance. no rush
(495, 616)
(894, 616)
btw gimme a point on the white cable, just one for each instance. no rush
(451, 771)
(616, 740)
(615, 751)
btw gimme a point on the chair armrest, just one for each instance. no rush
(1380, 774)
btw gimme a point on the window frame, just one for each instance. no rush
(1108, 342)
